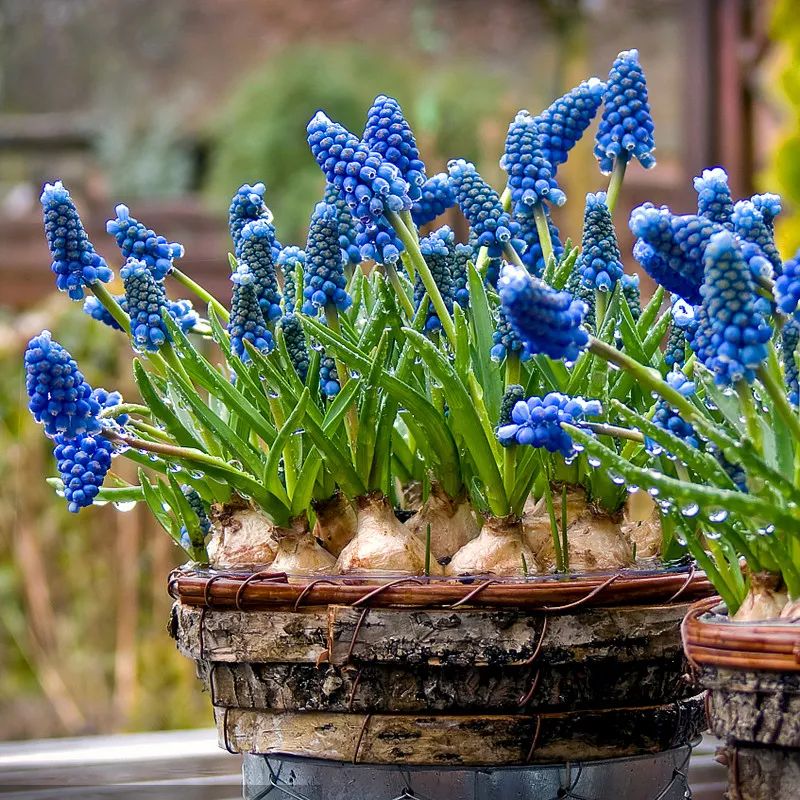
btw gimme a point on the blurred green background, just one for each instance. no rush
(169, 107)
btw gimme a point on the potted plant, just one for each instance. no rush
(381, 460)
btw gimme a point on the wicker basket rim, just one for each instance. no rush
(729, 644)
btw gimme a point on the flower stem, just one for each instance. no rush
(109, 302)
(124, 408)
(409, 223)
(601, 429)
(548, 498)
(615, 183)
(412, 248)
(543, 229)
(394, 279)
(512, 256)
(513, 369)
(600, 308)
(778, 397)
(200, 292)
(750, 415)
(351, 418)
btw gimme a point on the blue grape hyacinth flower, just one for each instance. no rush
(106, 399)
(289, 259)
(770, 205)
(565, 120)
(533, 255)
(388, 133)
(329, 385)
(626, 126)
(732, 333)
(505, 341)
(369, 184)
(632, 294)
(436, 196)
(379, 242)
(682, 319)
(480, 204)
(75, 263)
(714, 199)
(255, 253)
(666, 418)
(145, 299)
(436, 250)
(599, 262)
(750, 226)
(790, 338)
(461, 255)
(672, 247)
(347, 226)
(537, 422)
(547, 321)
(134, 239)
(323, 276)
(83, 463)
(247, 321)
(296, 345)
(59, 396)
(531, 177)
(180, 310)
(247, 205)
(787, 286)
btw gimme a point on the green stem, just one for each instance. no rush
(512, 256)
(750, 415)
(405, 302)
(564, 540)
(778, 397)
(409, 223)
(600, 308)
(543, 229)
(200, 292)
(151, 430)
(108, 301)
(505, 199)
(548, 499)
(351, 418)
(513, 369)
(289, 462)
(412, 248)
(601, 429)
(615, 183)
(124, 408)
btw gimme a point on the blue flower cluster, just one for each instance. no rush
(599, 262)
(75, 263)
(750, 226)
(436, 196)
(436, 250)
(787, 286)
(770, 205)
(106, 399)
(666, 418)
(533, 257)
(461, 255)
(671, 248)
(134, 239)
(682, 319)
(547, 321)
(328, 377)
(537, 422)
(255, 254)
(389, 134)
(505, 341)
(324, 281)
(180, 310)
(296, 346)
(289, 259)
(563, 123)
(203, 527)
(790, 338)
(714, 199)
(626, 127)
(347, 226)
(83, 463)
(247, 204)
(577, 288)
(144, 301)
(732, 333)
(369, 185)
(247, 322)
(632, 294)
(59, 396)
(531, 177)
(379, 242)
(480, 204)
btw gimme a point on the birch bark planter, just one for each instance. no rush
(752, 673)
(442, 672)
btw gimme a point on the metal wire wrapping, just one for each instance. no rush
(572, 781)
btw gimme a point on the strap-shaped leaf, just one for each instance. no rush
(483, 325)
(650, 312)
(271, 468)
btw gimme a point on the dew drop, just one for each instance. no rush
(126, 506)
(653, 491)
(593, 461)
(691, 510)
(616, 478)
(718, 515)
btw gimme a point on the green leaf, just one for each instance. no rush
(155, 502)
(271, 469)
(650, 312)
(482, 322)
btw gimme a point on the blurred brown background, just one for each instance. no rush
(169, 107)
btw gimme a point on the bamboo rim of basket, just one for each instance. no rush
(750, 646)
(259, 590)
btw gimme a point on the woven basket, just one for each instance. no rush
(443, 671)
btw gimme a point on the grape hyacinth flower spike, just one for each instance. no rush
(732, 333)
(247, 321)
(436, 250)
(683, 318)
(770, 205)
(388, 133)
(83, 463)
(59, 396)
(530, 175)
(370, 185)
(714, 197)
(289, 259)
(145, 300)
(565, 120)
(750, 226)
(347, 226)
(537, 422)
(134, 239)
(787, 286)
(666, 418)
(599, 262)
(379, 242)
(533, 256)
(547, 321)
(626, 127)
(435, 198)
(75, 263)
(324, 279)
(461, 255)
(480, 204)
(255, 253)
(247, 205)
